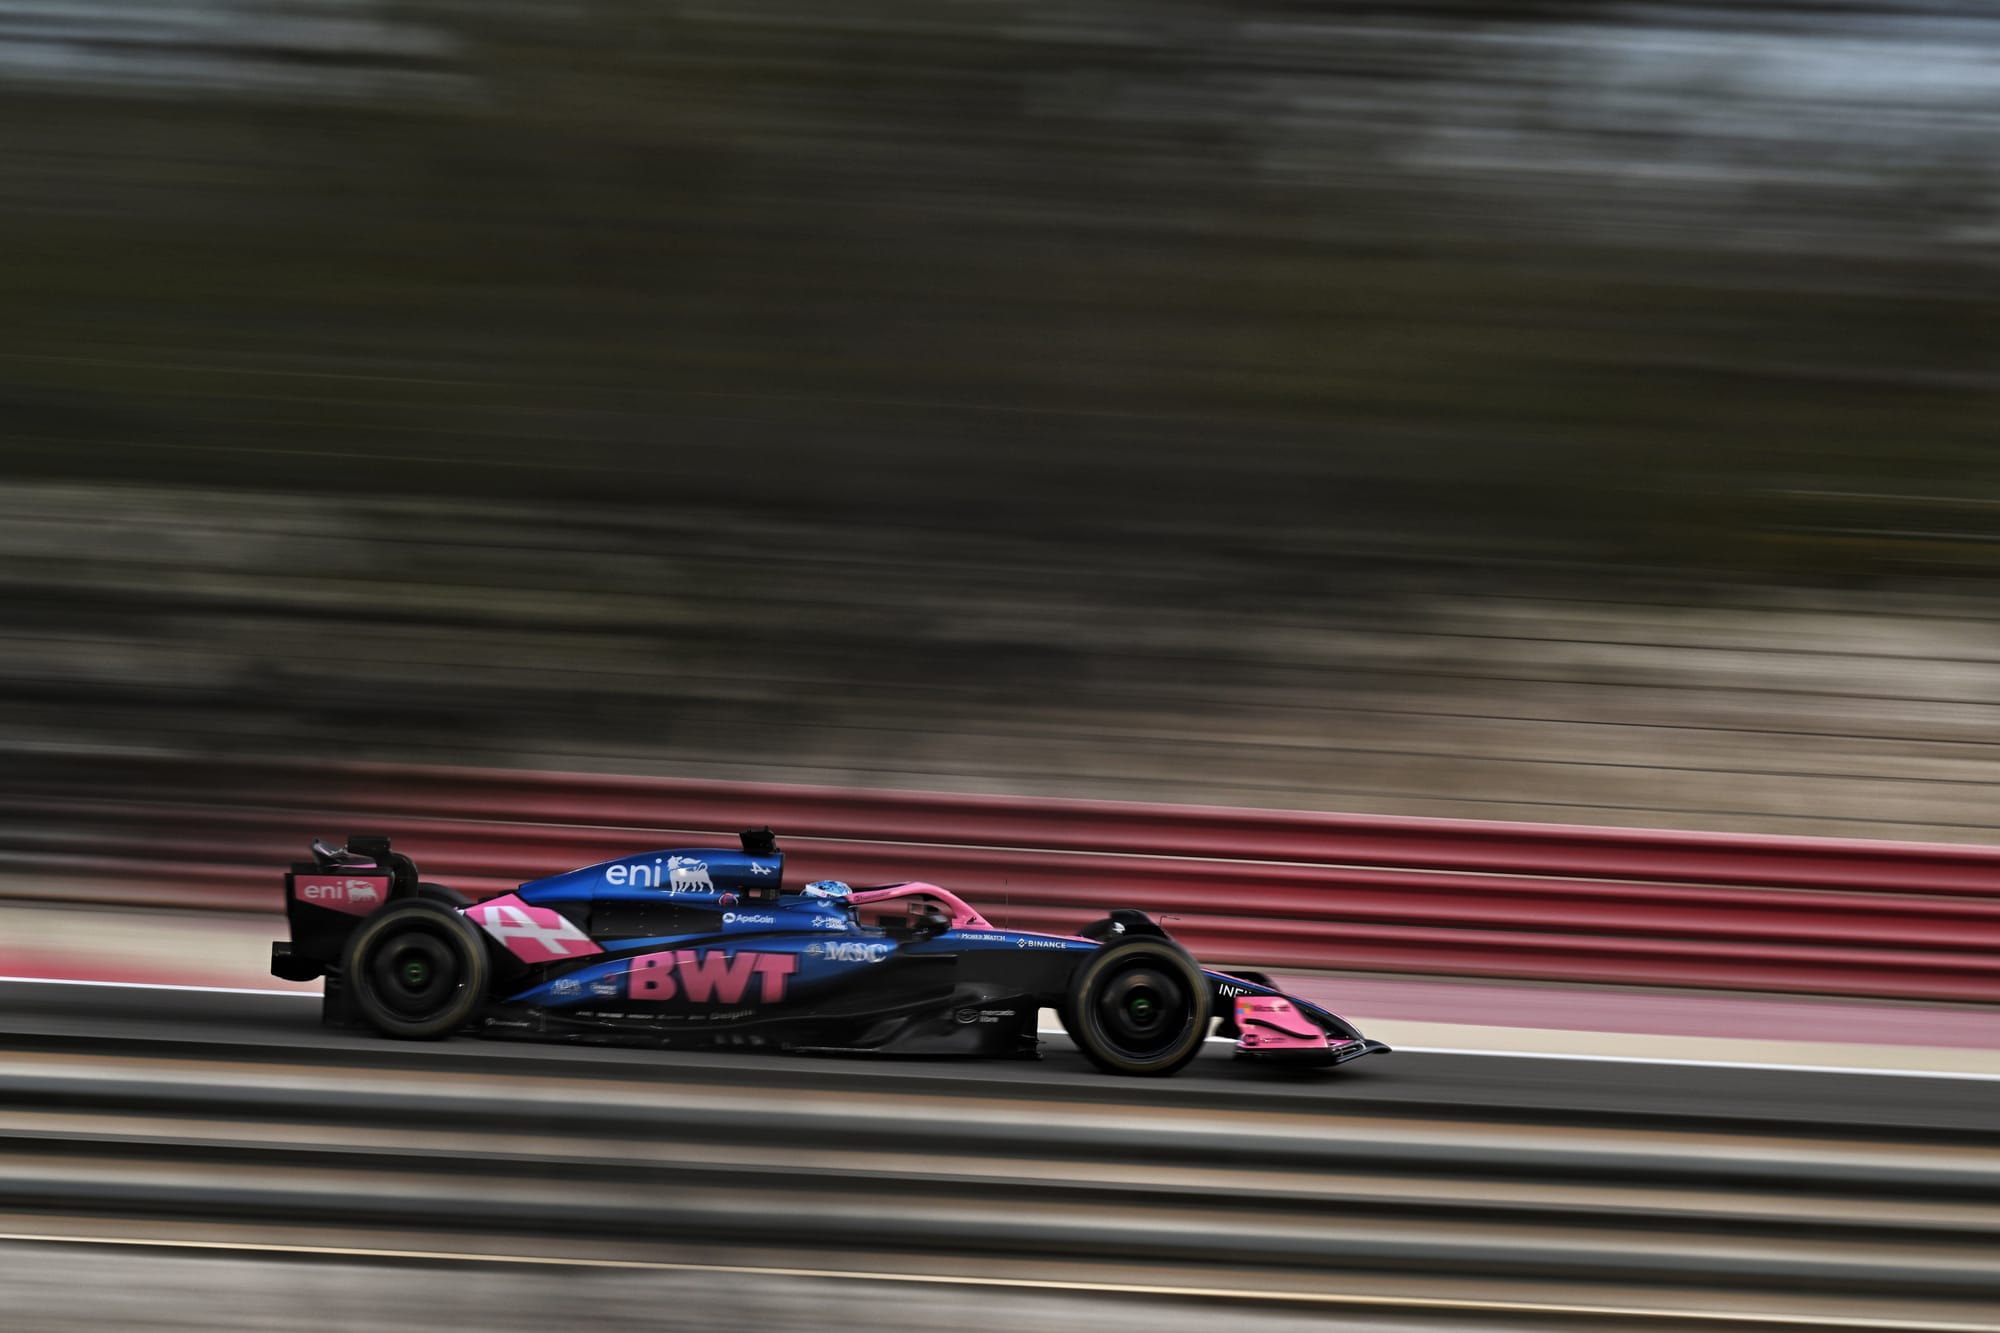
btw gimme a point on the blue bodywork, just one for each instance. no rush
(825, 939)
(706, 947)
(754, 944)
(698, 874)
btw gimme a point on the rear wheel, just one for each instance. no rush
(415, 970)
(1138, 1008)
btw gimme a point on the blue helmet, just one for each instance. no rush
(827, 888)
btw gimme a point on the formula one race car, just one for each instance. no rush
(707, 948)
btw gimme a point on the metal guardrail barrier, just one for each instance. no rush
(200, 1109)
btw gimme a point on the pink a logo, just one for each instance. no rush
(531, 934)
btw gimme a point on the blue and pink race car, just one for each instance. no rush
(707, 948)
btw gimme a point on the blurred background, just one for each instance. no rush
(1576, 411)
(1553, 410)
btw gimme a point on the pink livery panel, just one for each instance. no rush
(357, 895)
(1273, 1023)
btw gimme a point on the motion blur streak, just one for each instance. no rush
(1566, 413)
(1171, 1317)
(1467, 898)
(1510, 410)
(222, 1119)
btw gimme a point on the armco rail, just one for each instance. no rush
(1351, 1181)
(1280, 888)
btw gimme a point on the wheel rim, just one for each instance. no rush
(1142, 1011)
(415, 974)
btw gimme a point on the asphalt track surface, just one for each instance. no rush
(219, 1152)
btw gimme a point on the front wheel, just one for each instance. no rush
(416, 969)
(1140, 1007)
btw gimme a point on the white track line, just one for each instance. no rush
(1669, 1061)
(1968, 1076)
(1295, 1298)
(157, 985)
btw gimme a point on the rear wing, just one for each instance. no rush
(326, 897)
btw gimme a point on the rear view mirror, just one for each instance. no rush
(927, 920)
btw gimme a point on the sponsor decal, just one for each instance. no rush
(709, 976)
(606, 988)
(748, 919)
(830, 923)
(727, 899)
(566, 986)
(531, 934)
(968, 935)
(759, 868)
(358, 897)
(1026, 943)
(969, 1016)
(689, 875)
(1282, 1027)
(849, 951)
(676, 874)
(1229, 991)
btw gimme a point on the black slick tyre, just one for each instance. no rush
(438, 893)
(1141, 1007)
(416, 970)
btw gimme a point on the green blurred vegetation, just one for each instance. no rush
(992, 262)
(1408, 406)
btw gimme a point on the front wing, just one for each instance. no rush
(1275, 1028)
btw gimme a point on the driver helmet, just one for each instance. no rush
(828, 888)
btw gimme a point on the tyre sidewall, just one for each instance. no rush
(438, 893)
(436, 920)
(1085, 1028)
